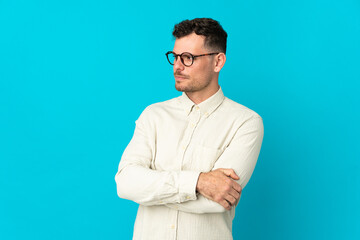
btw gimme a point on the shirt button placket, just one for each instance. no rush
(193, 121)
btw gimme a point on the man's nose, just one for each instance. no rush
(178, 65)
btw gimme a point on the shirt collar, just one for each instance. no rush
(206, 107)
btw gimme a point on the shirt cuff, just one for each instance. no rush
(187, 185)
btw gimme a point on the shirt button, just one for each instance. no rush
(197, 107)
(187, 197)
(173, 226)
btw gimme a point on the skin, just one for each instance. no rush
(199, 82)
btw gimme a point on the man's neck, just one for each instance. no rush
(198, 97)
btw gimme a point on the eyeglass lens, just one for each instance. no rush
(186, 58)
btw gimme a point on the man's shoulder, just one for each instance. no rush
(238, 110)
(159, 108)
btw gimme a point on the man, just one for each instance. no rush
(191, 156)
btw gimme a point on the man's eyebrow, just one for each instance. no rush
(183, 52)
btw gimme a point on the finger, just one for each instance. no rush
(230, 199)
(236, 186)
(231, 173)
(225, 204)
(234, 193)
(237, 201)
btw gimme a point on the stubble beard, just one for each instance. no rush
(191, 86)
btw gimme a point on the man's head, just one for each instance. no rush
(198, 56)
(215, 36)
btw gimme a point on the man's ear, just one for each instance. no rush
(220, 60)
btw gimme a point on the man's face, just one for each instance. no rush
(200, 74)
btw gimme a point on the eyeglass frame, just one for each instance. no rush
(192, 56)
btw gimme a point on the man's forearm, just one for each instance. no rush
(217, 192)
(150, 187)
(200, 205)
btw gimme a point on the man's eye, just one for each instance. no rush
(187, 57)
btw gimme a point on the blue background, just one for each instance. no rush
(75, 75)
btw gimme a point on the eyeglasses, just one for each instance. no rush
(186, 58)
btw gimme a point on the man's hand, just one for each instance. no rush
(219, 186)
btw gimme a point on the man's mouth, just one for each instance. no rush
(180, 77)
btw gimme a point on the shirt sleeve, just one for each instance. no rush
(136, 181)
(241, 155)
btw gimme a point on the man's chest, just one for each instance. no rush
(191, 143)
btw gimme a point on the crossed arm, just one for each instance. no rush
(220, 189)
(190, 191)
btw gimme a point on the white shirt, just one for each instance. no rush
(173, 142)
